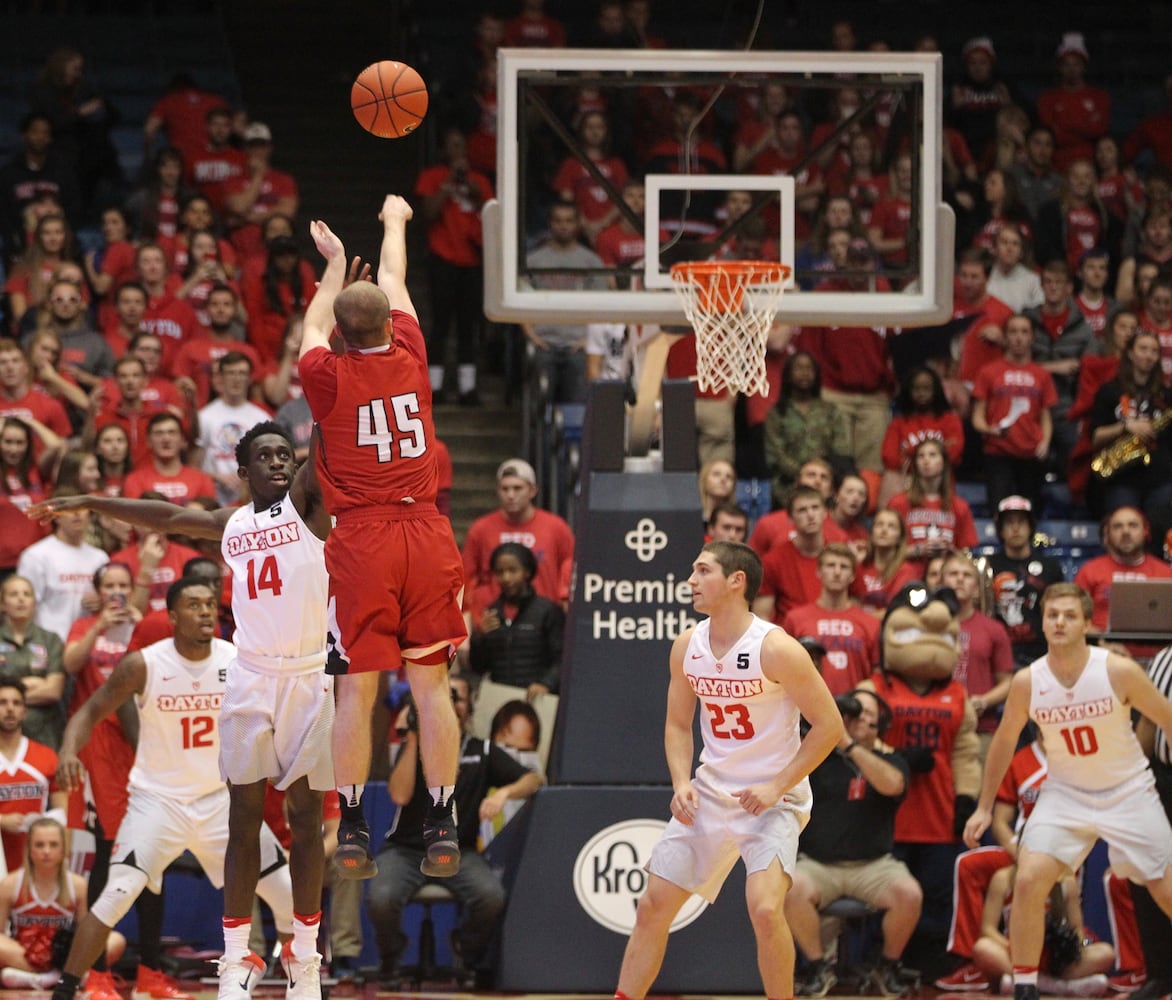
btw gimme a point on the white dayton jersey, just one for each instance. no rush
(178, 755)
(749, 722)
(280, 589)
(1086, 729)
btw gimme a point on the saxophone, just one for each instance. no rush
(1126, 451)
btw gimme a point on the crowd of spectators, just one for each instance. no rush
(132, 361)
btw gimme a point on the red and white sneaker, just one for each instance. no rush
(1127, 982)
(238, 977)
(154, 985)
(100, 986)
(967, 979)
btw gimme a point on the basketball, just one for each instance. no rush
(389, 99)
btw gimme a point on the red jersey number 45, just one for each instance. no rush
(383, 429)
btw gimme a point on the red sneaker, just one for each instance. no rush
(153, 985)
(967, 979)
(1127, 982)
(100, 986)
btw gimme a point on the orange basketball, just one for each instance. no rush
(389, 99)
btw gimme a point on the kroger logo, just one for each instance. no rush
(609, 876)
(645, 540)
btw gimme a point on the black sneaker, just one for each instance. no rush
(1025, 991)
(820, 980)
(889, 979)
(353, 859)
(440, 842)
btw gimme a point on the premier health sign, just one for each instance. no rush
(631, 600)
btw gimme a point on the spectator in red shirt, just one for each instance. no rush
(126, 403)
(984, 664)
(197, 358)
(155, 563)
(622, 244)
(856, 178)
(18, 398)
(1012, 400)
(127, 319)
(112, 449)
(517, 519)
(205, 270)
(848, 510)
(453, 195)
(984, 337)
(162, 471)
(217, 160)
(1124, 533)
(252, 197)
(893, 213)
(271, 297)
(885, 569)
(1077, 114)
(532, 28)
(20, 487)
(182, 113)
(575, 183)
(110, 266)
(28, 280)
(920, 411)
(772, 141)
(168, 317)
(790, 568)
(195, 216)
(937, 519)
(849, 635)
(776, 526)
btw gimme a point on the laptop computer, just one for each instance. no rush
(1141, 606)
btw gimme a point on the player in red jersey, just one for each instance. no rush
(396, 578)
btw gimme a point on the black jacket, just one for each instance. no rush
(527, 650)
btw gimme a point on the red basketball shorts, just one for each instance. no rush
(396, 584)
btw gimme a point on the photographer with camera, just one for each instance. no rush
(483, 765)
(845, 850)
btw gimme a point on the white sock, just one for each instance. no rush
(305, 934)
(236, 939)
(435, 374)
(466, 378)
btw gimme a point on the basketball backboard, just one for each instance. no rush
(543, 93)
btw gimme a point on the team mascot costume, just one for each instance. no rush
(935, 727)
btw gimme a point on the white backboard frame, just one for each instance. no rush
(507, 298)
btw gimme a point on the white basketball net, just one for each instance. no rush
(731, 306)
